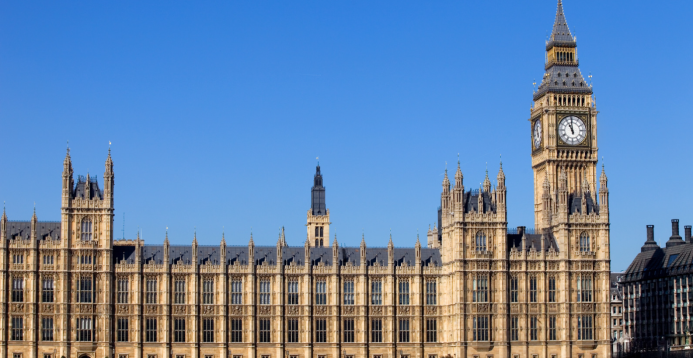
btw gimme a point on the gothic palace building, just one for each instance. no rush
(479, 288)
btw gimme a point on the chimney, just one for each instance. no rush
(675, 238)
(650, 244)
(650, 232)
(687, 231)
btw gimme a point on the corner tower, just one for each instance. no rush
(563, 121)
(318, 222)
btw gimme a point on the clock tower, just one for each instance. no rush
(563, 125)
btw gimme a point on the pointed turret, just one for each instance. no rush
(390, 252)
(166, 249)
(487, 183)
(3, 226)
(317, 204)
(335, 252)
(501, 176)
(108, 179)
(251, 250)
(417, 251)
(603, 192)
(459, 178)
(34, 226)
(306, 249)
(68, 180)
(560, 35)
(280, 253)
(446, 182)
(194, 249)
(362, 249)
(222, 251)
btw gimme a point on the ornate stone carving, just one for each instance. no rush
(207, 309)
(150, 309)
(265, 310)
(179, 309)
(122, 309)
(321, 311)
(431, 310)
(17, 307)
(377, 310)
(236, 310)
(403, 310)
(47, 308)
(348, 310)
(293, 310)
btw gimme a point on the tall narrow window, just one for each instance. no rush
(349, 331)
(480, 328)
(552, 288)
(86, 230)
(585, 328)
(265, 331)
(179, 330)
(584, 289)
(552, 328)
(18, 259)
(376, 331)
(122, 291)
(47, 259)
(84, 329)
(150, 330)
(514, 292)
(431, 292)
(321, 292)
(17, 329)
(122, 329)
(533, 289)
(480, 240)
(264, 292)
(18, 289)
(208, 292)
(236, 330)
(533, 328)
(151, 291)
(403, 290)
(584, 242)
(292, 297)
(236, 292)
(179, 291)
(376, 292)
(208, 330)
(514, 328)
(47, 329)
(404, 330)
(480, 289)
(85, 291)
(47, 293)
(349, 292)
(431, 330)
(321, 331)
(292, 331)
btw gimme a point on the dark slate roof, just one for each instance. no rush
(660, 262)
(575, 204)
(153, 253)
(126, 253)
(376, 254)
(350, 254)
(560, 35)
(563, 79)
(532, 241)
(237, 254)
(295, 255)
(180, 254)
(471, 201)
(266, 253)
(431, 257)
(321, 254)
(43, 229)
(80, 189)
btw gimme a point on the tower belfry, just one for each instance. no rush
(318, 222)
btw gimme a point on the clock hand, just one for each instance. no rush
(571, 127)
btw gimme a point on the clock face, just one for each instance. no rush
(537, 134)
(572, 130)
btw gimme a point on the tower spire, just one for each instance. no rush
(560, 35)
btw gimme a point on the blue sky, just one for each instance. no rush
(217, 110)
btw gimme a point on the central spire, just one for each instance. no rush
(317, 203)
(561, 36)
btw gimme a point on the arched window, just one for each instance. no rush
(86, 230)
(321, 242)
(480, 241)
(584, 242)
(317, 242)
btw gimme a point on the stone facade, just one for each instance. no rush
(479, 289)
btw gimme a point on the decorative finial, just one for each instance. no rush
(501, 161)
(68, 147)
(446, 167)
(318, 159)
(534, 83)
(458, 160)
(223, 231)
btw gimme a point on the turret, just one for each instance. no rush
(445, 196)
(417, 250)
(108, 180)
(318, 218)
(68, 180)
(487, 183)
(138, 250)
(603, 193)
(251, 251)
(675, 238)
(500, 189)
(166, 249)
(335, 251)
(280, 254)
(458, 192)
(194, 249)
(222, 250)
(650, 244)
(390, 253)
(362, 249)
(34, 224)
(306, 249)
(3, 227)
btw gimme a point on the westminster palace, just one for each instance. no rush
(473, 288)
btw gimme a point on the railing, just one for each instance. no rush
(514, 231)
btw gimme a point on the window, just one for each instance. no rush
(585, 328)
(208, 292)
(47, 355)
(349, 331)
(86, 230)
(292, 331)
(513, 289)
(533, 289)
(321, 331)
(208, 330)
(47, 329)
(236, 330)
(236, 292)
(431, 297)
(552, 289)
(179, 330)
(480, 241)
(85, 259)
(514, 328)
(376, 331)
(47, 259)
(584, 242)
(480, 289)
(17, 329)
(480, 328)
(584, 289)
(264, 330)
(17, 355)
(404, 292)
(18, 259)
(292, 298)
(552, 328)
(321, 292)
(349, 292)
(179, 291)
(84, 330)
(18, 289)
(376, 292)
(151, 291)
(431, 330)
(84, 290)
(47, 293)
(533, 329)
(264, 292)
(150, 330)
(122, 329)
(404, 330)
(122, 290)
